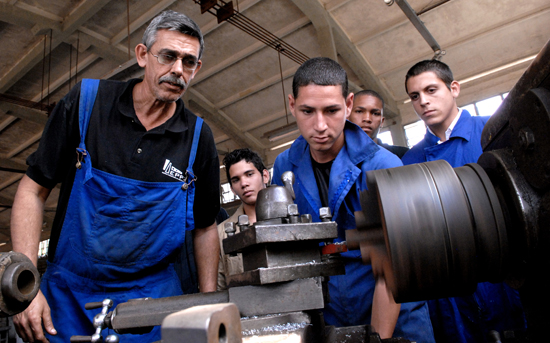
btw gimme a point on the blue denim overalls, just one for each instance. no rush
(117, 239)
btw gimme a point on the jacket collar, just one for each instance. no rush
(358, 144)
(462, 129)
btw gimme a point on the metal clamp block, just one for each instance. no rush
(203, 324)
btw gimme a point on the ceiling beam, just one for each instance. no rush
(105, 50)
(250, 50)
(10, 181)
(142, 19)
(23, 112)
(60, 81)
(33, 55)
(213, 24)
(16, 15)
(200, 105)
(6, 122)
(27, 143)
(357, 62)
(5, 201)
(319, 17)
(11, 166)
(258, 87)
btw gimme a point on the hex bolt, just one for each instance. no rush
(293, 213)
(229, 228)
(324, 214)
(526, 138)
(305, 218)
(243, 222)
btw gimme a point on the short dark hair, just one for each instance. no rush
(238, 155)
(172, 21)
(371, 93)
(440, 69)
(321, 71)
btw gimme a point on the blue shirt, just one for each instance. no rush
(463, 146)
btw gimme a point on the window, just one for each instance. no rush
(226, 194)
(471, 108)
(415, 132)
(489, 106)
(485, 107)
(386, 137)
(43, 248)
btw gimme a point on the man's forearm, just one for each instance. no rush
(384, 310)
(27, 217)
(207, 251)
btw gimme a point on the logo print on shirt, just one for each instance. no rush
(171, 171)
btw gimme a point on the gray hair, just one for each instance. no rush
(173, 21)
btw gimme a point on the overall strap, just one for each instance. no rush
(185, 265)
(88, 92)
(196, 136)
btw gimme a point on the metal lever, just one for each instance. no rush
(99, 324)
(288, 179)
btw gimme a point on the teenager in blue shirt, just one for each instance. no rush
(454, 135)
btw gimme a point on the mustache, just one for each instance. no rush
(173, 79)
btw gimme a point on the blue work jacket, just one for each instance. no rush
(350, 294)
(463, 146)
(493, 306)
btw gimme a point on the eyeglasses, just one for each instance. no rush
(188, 63)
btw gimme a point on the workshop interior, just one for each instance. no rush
(489, 220)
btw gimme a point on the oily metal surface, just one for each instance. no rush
(272, 202)
(292, 296)
(490, 226)
(259, 233)
(263, 276)
(281, 254)
(520, 204)
(531, 148)
(428, 231)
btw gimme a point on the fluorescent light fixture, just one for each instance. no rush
(222, 166)
(281, 145)
(495, 70)
(492, 71)
(282, 132)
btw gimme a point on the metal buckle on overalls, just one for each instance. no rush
(185, 183)
(80, 153)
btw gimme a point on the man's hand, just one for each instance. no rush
(28, 324)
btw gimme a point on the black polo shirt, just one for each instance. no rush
(119, 144)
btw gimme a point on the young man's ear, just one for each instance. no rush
(141, 55)
(349, 104)
(265, 177)
(291, 103)
(455, 89)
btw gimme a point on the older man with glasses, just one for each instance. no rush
(135, 182)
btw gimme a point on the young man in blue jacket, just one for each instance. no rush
(454, 135)
(330, 160)
(368, 113)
